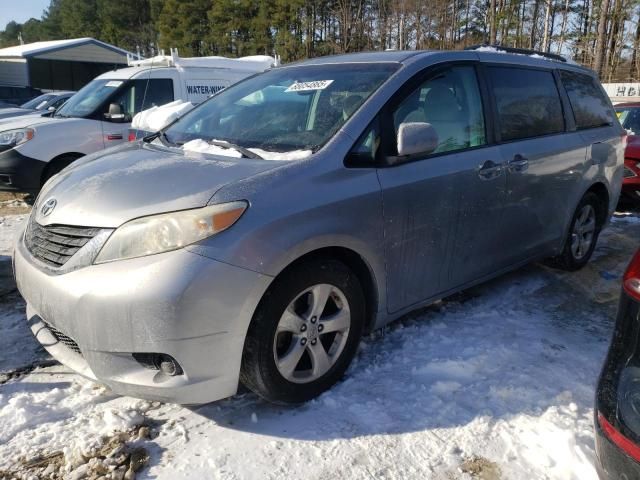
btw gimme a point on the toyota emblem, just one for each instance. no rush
(48, 207)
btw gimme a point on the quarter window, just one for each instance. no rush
(528, 102)
(365, 150)
(590, 106)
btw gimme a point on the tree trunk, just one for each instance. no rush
(634, 72)
(601, 38)
(547, 25)
(492, 22)
(534, 24)
(466, 23)
(563, 26)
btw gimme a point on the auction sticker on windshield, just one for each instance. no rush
(113, 83)
(305, 86)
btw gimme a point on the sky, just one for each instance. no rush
(20, 10)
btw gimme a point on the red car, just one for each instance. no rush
(629, 116)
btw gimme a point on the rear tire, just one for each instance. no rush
(582, 237)
(304, 333)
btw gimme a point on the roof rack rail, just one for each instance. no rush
(519, 51)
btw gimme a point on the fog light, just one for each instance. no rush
(159, 361)
(168, 365)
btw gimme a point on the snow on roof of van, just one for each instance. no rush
(36, 48)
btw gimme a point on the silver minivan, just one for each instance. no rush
(258, 237)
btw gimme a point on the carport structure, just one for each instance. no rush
(59, 64)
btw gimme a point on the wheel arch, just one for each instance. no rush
(53, 162)
(598, 188)
(356, 263)
(602, 192)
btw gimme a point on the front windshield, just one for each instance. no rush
(38, 102)
(284, 109)
(88, 98)
(629, 119)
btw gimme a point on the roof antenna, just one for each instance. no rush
(144, 95)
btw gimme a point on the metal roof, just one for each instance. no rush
(42, 48)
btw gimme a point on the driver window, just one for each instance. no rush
(153, 92)
(451, 103)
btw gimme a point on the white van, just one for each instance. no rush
(32, 149)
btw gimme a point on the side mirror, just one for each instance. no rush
(115, 113)
(416, 137)
(51, 109)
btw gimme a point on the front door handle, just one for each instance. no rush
(489, 170)
(518, 163)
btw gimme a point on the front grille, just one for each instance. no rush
(628, 173)
(56, 244)
(62, 338)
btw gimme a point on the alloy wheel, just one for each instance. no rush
(312, 333)
(584, 229)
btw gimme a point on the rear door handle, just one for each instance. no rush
(489, 170)
(518, 163)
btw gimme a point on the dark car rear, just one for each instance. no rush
(15, 95)
(617, 422)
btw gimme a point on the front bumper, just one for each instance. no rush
(19, 173)
(181, 304)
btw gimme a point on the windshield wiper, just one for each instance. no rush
(160, 134)
(151, 137)
(245, 152)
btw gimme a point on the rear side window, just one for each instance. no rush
(528, 102)
(590, 107)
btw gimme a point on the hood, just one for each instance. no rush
(12, 112)
(27, 121)
(137, 179)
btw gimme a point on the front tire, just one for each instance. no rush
(56, 166)
(582, 237)
(304, 333)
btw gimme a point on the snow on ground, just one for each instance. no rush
(9, 225)
(498, 380)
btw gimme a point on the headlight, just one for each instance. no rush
(169, 231)
(11, 138)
